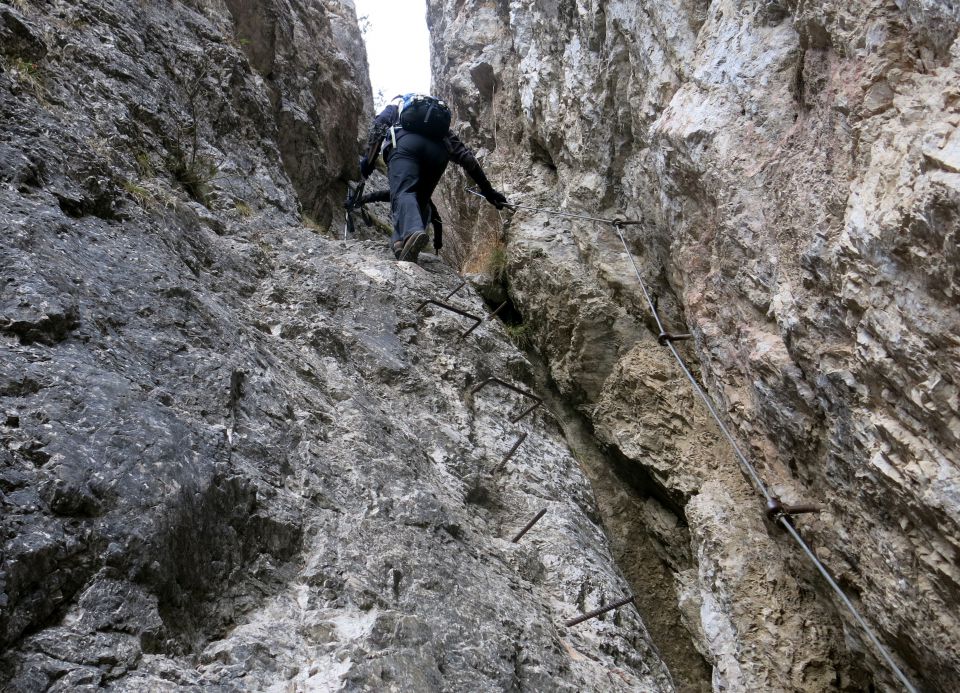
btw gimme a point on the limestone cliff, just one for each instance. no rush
(233, 454)
(796, 168)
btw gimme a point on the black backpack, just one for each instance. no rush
(425, 115)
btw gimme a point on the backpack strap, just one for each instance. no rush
(399, 100)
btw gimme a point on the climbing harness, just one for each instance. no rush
(777, 511)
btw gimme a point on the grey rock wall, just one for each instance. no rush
(795, 168)
(233, 456)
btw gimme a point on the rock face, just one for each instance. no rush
(795, 169)
(233, 454)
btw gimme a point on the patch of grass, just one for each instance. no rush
(195, 172)
(312, 224)
(144, 166)
(521, 335)
(143, 197)
(488, 256)
(238, 42)
(497, 264)
(384, 226)
(28, 75)
(243, 209)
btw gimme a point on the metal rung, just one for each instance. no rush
(597, 612)
(453, 309)
(537, 400)
(459, 286)
(528, 526)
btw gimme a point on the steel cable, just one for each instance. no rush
(745, 463)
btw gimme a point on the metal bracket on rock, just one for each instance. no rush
(777, 509)
(506, 458)
(526, 528)
(597, 612)
(459, 286)
(453, 309)
(515, 419)
(665, 337)
(497, 311)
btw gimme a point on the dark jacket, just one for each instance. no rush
(460, 153)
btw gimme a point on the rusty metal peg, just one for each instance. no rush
(665, 337)
(528, 526)
(506, 458)
(453, 309)
(777, 509)
(459, 286)
(597, 612)
(497, 311)
(537, 401)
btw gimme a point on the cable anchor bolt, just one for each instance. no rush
(777, 509)
(665, 337)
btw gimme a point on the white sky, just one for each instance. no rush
(398, 47)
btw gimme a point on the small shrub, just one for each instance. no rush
(243, 209)
(194, 172)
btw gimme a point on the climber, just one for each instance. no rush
(413, 134)
(384, 196)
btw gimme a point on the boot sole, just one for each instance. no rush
(413, 246)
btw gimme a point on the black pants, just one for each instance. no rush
(414, 169)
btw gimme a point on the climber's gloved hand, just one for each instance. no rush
(495, 197)
(366, 166)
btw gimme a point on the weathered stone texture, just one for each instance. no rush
(233, 456)
(795, 168)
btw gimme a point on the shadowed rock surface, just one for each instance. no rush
(232, 454)
(794, 166)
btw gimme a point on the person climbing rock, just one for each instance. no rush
(435, 220)
(413, 134)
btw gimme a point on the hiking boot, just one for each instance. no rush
(412, 246)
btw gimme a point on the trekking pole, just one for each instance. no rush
(350, 204)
